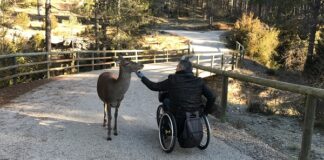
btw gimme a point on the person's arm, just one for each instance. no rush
(159, 86)
(210, 98)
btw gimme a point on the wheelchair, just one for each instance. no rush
(168, 129)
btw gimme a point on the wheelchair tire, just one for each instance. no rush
(159, 113)
(167, 132)
(206, 137)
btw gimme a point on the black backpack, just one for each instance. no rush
(193, 131)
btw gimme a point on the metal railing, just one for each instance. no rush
(310, 105)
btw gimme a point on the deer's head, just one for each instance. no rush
(128, 65)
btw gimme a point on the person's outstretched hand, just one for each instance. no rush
(139, 74)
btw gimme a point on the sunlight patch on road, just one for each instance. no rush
(129, 118)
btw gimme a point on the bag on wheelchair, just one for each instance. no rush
(193, 131)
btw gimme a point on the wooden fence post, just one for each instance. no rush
(92, 61)
(197, 70)
(224, 97)
(48, 64)
(189, 46)
(73, 62)
(308, 127)
(222, 62)
(167, 56)
(212, 63)
(136, 57)
(236, 59)
(78, 61)
(15, 70)
(115, 56)
(233, 61)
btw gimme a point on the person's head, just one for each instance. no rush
(184, 65)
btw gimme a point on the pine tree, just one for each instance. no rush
(319, 57)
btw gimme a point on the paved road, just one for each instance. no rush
(203, 41)
(62, 120)
(206, 42)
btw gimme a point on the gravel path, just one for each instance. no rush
(62, 120)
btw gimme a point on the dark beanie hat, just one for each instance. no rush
(186, 64)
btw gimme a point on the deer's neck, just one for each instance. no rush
(123, 80)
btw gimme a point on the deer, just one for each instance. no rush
(111, 90)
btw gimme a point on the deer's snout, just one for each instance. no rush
(141, 66)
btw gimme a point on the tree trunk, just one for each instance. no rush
(315, 9)
(260, 9)
(96, 25)
(104, 33)
(38, 8)
(48, 25)
(178, 8)
(206, 10)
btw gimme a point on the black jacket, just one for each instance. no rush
(185, 91)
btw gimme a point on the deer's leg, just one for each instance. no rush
(116, 115)
(105, 115)
(109, 122)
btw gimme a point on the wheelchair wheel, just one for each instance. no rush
(167, 132)
(206, 130)
(159, 113)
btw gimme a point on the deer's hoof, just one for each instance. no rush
(108, 139)
(116, 134)
(104, 125)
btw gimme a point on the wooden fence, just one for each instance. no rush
(311, 93)
(72, 61)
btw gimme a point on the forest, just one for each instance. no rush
(281, 35)
(256, 114)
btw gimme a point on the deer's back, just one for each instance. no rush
(105, 86)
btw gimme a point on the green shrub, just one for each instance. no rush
(73, 21)
(21, 44)
(28, 3)
(22, 20)
(86, 9)
(7, 47)
(292, 53)
(36, 42)
(54, 21)
(260, 40)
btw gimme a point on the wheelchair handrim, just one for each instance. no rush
(172, 132)
(204, 145)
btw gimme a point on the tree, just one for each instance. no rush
(125, 16)
(315, 6)
(22, 20)
(4, 6)
(319, 57)
(48, 25)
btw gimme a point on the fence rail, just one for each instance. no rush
(310, 105)
(74, 60)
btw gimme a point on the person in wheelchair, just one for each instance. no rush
(184, 93)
